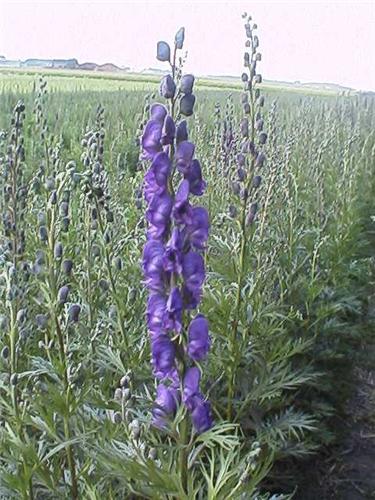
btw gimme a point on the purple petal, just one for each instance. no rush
(184, 156)
(199, 340)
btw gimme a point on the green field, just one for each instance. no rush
(289, 297)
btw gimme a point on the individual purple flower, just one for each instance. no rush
(193, 271)
(167, 87)
(199, 408)
(165, 405)
(169, 131)
(156, 178)
(152, 264)
(182, 210)
(158, 112)
(163, 355)
(194, 176)
(158, 215)
(184, 156)
(198, 338)
(172, 258)
(156, 306)
(191, 386)
(201, 414)
(151, 139)
(186, 84)
(198, 228)
(173, 311)
(181, 132)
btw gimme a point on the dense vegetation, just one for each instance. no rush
(287, 309)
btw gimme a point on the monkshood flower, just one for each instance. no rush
(173, 264)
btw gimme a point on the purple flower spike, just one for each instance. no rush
(158, 215)
(165, 405)
(181, 133)
(173, 313)
(184, 156)
(151, 139)
(172, 263)
(198, 228)
(172, 259)
(182, 211)
(194, 176)
(199, 340)
(169, 131)
(163, 356)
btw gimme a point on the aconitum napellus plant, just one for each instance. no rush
(173, 264)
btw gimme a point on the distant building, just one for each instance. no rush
(5, 63)
(51, 63)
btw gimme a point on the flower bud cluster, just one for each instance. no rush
(250, 158)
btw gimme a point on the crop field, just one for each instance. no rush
(186, 287)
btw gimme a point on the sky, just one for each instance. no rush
(319, 41)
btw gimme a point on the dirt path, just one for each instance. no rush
(348, 473)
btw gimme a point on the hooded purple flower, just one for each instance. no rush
(198, 228)
(181, 132)
(201, 415)
(192, 398)
(165, 405)
(173, 311)
(169, 131)
(156, 305)
(193, 273)
(191, 386)
(194, 176)
(182, 210)
(158, 112)
(156, 178)
(184, 156)
(199, 340)
(153, 265)
(158, 215)
(163, 355)
(151, 139)
(172, 258)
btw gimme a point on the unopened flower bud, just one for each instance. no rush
(187, 104)
(73, 313)
(5, 352)
(179, 38)
(245, 127)
(41, 321)
(67, 266)
(187, 83)
(62, 295)
(118, 394)
(125, 380)
(262, 138)
(58, 250)
(260, 159)
(167, 87)
(43, 235)
(256, 181)
(163, 51)
(117, 417)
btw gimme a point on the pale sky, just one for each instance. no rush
(320, 41)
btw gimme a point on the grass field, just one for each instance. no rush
(288, 290)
